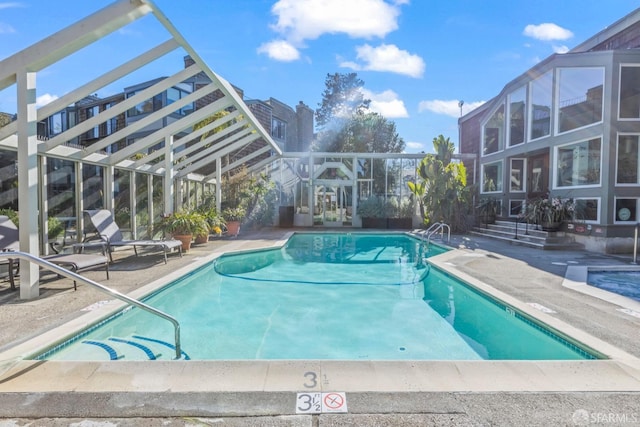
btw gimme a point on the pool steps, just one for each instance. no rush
(132, 348)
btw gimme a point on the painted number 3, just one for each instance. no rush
(312, 379)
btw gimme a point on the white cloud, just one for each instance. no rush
(414, 146)
(547, 31)
(45, 99)
(449, 108)
(386, 103)
(9, 5)
(560, 49)
(299, 20)
(280, 50)
(387, 57)
(6, 28)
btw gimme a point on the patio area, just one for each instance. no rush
(381, 393)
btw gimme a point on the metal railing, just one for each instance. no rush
(434, 228)
(74, 276)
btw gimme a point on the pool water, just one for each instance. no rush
(626, 283)
(324, 296)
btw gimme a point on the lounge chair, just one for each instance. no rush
(109, 232)
(9, 241)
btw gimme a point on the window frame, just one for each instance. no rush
(499, 183)
(627, 184)
(556, 103)
(556, 158)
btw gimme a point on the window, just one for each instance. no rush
(92, 112)
(145, 107)
(174, 94)
(587, 210)
(516, 207)
(278, 128)
(57, 123)
(626, 210)
(629, 92)
(578, 164)
(579, 97)
(540, 106)
(494, 132)
(517, 176)
(492, 177)
(627, 160)
(516, 116)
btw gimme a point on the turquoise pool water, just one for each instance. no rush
(626, 283)
(324, 296)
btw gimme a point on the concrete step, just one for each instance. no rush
(526, 235)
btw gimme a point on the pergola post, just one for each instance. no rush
(219, 185)
(28, 179)
(169, 185)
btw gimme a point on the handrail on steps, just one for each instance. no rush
(434, 228)
(74, 276)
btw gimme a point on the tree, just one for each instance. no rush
(442, 186)
(341, 99)
(365, 133)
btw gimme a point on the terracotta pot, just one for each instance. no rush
(185, 239)
(203, 238)
(233, 228)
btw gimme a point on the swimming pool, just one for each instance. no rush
(350, 296)
(622, 282)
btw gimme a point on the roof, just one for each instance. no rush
(236, 134)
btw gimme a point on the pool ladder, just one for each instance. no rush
(434, 229)
(74, 276)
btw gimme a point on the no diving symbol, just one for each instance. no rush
(334, 402)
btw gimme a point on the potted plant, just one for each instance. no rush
(184, 225)
(233, 217)
(214, 220)
(549, 212)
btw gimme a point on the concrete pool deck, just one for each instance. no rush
(378, 393)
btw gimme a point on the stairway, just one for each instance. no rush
(527, 236)
(134, 347)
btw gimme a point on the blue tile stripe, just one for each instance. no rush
(157, 341)
(146, 349)
(113, 355)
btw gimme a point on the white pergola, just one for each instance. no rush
(238, 134)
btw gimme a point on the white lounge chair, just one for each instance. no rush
(109, 232)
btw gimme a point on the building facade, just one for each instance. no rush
(568, 128)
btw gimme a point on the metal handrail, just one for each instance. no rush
(74, 276)
(441, 226)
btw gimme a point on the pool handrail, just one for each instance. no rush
(74, 276)
(434, 228)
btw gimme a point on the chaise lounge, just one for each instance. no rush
(109, 232)
(9, 241)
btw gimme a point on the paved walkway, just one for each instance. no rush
(384, 394)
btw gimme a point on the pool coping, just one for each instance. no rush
(620, 373)
(576, 278)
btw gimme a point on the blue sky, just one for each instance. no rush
(418, 58)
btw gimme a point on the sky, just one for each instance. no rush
(418, 58)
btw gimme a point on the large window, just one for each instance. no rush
(492, 177)
(579, 97)
(516, 116)
(517, 176)
(494, 132)
(540, 106)
(628, 162)
(578, 164)
(629, 92)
